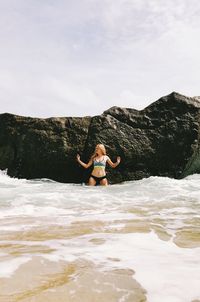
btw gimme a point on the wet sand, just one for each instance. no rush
(41, 280)
(76, 244)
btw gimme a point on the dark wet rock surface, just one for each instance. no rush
(162, 140)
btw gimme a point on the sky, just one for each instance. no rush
(81, 57)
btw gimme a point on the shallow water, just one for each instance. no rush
(136, 241)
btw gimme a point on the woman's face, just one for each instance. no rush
(98, 150)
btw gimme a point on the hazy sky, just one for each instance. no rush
(80, 57)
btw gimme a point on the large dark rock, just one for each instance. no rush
(162, 139)
(38, 148)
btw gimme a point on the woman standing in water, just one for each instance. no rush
(99, 160)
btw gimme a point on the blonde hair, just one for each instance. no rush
(102, 148)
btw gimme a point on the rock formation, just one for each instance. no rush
(162, 140)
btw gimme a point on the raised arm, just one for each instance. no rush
(114, 165)
(82, 163)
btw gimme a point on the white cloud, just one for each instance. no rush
(80, 57)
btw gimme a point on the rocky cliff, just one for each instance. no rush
(162, 139)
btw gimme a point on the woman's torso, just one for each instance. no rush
(99, 166)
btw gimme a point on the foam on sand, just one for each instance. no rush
(150, 226)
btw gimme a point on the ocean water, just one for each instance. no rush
(135, 241)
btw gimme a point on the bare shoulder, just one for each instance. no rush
(107, 157)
